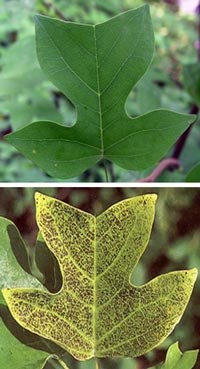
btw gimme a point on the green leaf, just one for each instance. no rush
(36, 260)
(13, 251)
(23, 92)
(18, 355)
(194, 174)
(175, 359)
(191, 79)
(96, 68)
(98, 312)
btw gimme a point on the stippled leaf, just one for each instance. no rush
(98, 312)
(175, 359)
(96, 67)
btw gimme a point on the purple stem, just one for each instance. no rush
(170, 163)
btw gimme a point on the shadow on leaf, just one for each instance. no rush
(36, 260)
(30, 339)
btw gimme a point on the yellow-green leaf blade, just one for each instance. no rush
(98, 312)
(144, 316)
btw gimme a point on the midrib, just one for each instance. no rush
(95, 290)
(99, 93)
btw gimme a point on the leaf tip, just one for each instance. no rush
(146, 8)
(154, 197)
(37, 17)
(194, 274)
(192, 118)
(39, 197)
(8, 138)
(191, 277)
(42, 200)
(151, 198)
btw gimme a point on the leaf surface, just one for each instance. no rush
(18, 355)
(23, 90)
(12, 351)
(11, 275)
(98, 312)
(96, 68)
(175, 359)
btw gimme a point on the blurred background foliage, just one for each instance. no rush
(26, 95)
(174, 245)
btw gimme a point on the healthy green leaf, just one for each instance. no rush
(98, 312)
(191, 78)
(175, 359)
(96, 67)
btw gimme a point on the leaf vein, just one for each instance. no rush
(130, 315)
(52, 312)
(126, 60)
(65, 63)
(136, 133)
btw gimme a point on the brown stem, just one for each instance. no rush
(170, 163)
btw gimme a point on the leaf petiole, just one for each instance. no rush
(61, 362)
(106, 171)
(97, 366)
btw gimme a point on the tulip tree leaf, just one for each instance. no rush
(175, 359)
(17, 346)
(96, 68)
(98, 312)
